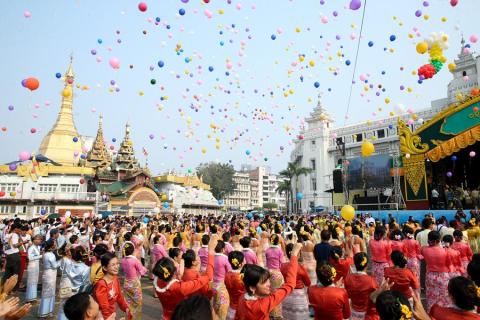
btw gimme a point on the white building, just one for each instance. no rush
(319, 147)
(240, 198)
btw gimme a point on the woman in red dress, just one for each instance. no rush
(295, 305)
(438, 264)
(233, 282)
(380, 250)
(191, 272)
(328, 301)
(412, 251)
(396, 241)
(341, 265)
(465, 298)
(463, 247)
(362, 290)
(170, 290)
(403, 279)
(258, 301)
(107, 291)
(455, 257)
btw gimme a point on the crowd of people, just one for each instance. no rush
(239, 267)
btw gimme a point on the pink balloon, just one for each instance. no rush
(27, 14)
(473, 38)
(324, 19)
(114, 63)
(24, 156)
(472, 154)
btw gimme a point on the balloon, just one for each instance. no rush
(316, 84)
(273, 37)
(142, 6)
(75, 139)
(475, 91)
(166, 205)
(426, 71)
(473, 38)
(418, 13)
(68, 213)
(181, 12)
(67, 92)
(247, 152)
(32, 83)
(347, 212)
(43, 211)
(114, 63)
(58, 75)
(454, 158)
(367, 148)
(299, 196)
(164, 197)
(472, 154)
(12, 167)
(24, 156)
(13, 194)
(370, 43)
(27, 14)
(393, 37)
(449, 174)
(161, 63)
(145, 219)
(82, 181)
(422, 47)
(33, 130)
(355, 4)
(453, 3)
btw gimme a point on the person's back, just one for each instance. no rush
(321, 251)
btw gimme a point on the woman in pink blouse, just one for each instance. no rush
(221, 299)
(249, 254)
(203, 253)
(438, 264)
(463, 247)
(412, 251)
(380, 251)
(133, 270)
(274, 259)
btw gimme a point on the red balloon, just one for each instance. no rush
(427, 71)
(453, 3)
(82, 181)
(32, 83)
(2, 194)
(142, 6)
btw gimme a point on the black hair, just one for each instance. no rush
(464, 293)
(379, 232)
(389, 305)
(205, 239)
(106, 258)
(458, 235)
(245, 242)
(235, 258)
(274, 239)
(78, 253)
(100, 249)
(177, 241)
(189, 257)
(76, 306)
(127, 236)
(196, 307)
(426, 223)
(174, 252)
(473, 269)
(448, 239)
(360, 260)
(226, 236)
(325, 273)
(336, 252)
(49, 245)
(220, 246)
(213, 229)
(396, 235)
(289, 249)
(97, 237)
(407, 230)
(73, 238)
(252, 275)
(156, 239)
(128, 249)
(164, 269)
(325, 235)
(433, 237)
(398, 259)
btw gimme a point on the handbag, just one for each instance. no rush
(65, 287)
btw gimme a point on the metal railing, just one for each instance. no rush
(74, 196)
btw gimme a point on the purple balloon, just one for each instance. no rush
(418, 13)
(10, 107)
(12, 166)
(355, 4)
(185, 1)
(449, 174)
(24, 83)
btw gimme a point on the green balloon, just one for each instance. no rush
(153, 81)
(437, 64)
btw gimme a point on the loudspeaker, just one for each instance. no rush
(337, 181)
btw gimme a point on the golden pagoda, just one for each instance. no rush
(62, 144)
(125, 159)
(98, 157)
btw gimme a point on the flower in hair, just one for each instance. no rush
(235, 262)
(334, 273)
(406, 312)
(364, 261)
(166, 273)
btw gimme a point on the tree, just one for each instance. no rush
(219, 176)
(270, 206)
(285, 187)
(294, 171)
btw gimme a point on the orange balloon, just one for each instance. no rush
(32, 83)
(475, 92)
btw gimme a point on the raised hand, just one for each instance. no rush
(418, 311)
(18, 313)
(8, 306)
(10, 284)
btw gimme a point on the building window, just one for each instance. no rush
(464, 73)
(311, 204)
(8, 187)
(69, 188)
(381, 133)
(314, 184)
(358, 137)
(47, 187)
(313, 164)
(313, 142)
(7, 209)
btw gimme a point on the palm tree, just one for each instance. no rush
(285, 187)
(294, 171)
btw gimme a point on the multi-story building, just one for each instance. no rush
(320, 145)
(240, 197)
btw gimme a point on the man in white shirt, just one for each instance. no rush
(422, 237)
(369, 219)
(12, 243)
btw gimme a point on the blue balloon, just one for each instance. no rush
(299, 196)
(75, 139)
(454, 158)
(43, 211)
(247, 152)
(370, 43)
(181, 12)
(390, 126)
(273, 37)
(210, 68)
(347, 62)
(100, 41)
(316, 84)
(166, 205)
(393, 37)
(145, 219)
(58, 75)
(157, 19)
(161, 63)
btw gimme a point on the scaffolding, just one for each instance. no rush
(396, 195)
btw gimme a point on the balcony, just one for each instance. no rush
(65, 196)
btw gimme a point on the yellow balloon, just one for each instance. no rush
(67, 92)
(452, 66)
(367, 148)
(347, 212)
(164, 197)
(422, 47)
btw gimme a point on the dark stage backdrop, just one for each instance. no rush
(365, 173)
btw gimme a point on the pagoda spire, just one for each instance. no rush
(62, 143)
(98, 156)
(125, 159)
(319, 112)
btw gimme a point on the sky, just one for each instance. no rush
(237, 79)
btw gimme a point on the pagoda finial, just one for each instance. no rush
(70, 74)
(98, 156)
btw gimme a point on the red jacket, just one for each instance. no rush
(179, 290)
(329, 302)
(107, 295)
(403, 279)
(303, 280)
(235, 288)
(259, 308)
(441, 313)
(359, 286)
(342, 266)
(192, 274)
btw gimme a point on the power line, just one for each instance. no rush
(355, 63)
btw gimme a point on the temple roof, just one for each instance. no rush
(319, 112)
(59, 144)
(125, 159)
(98, 156)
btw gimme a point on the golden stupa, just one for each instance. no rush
(62, 144)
